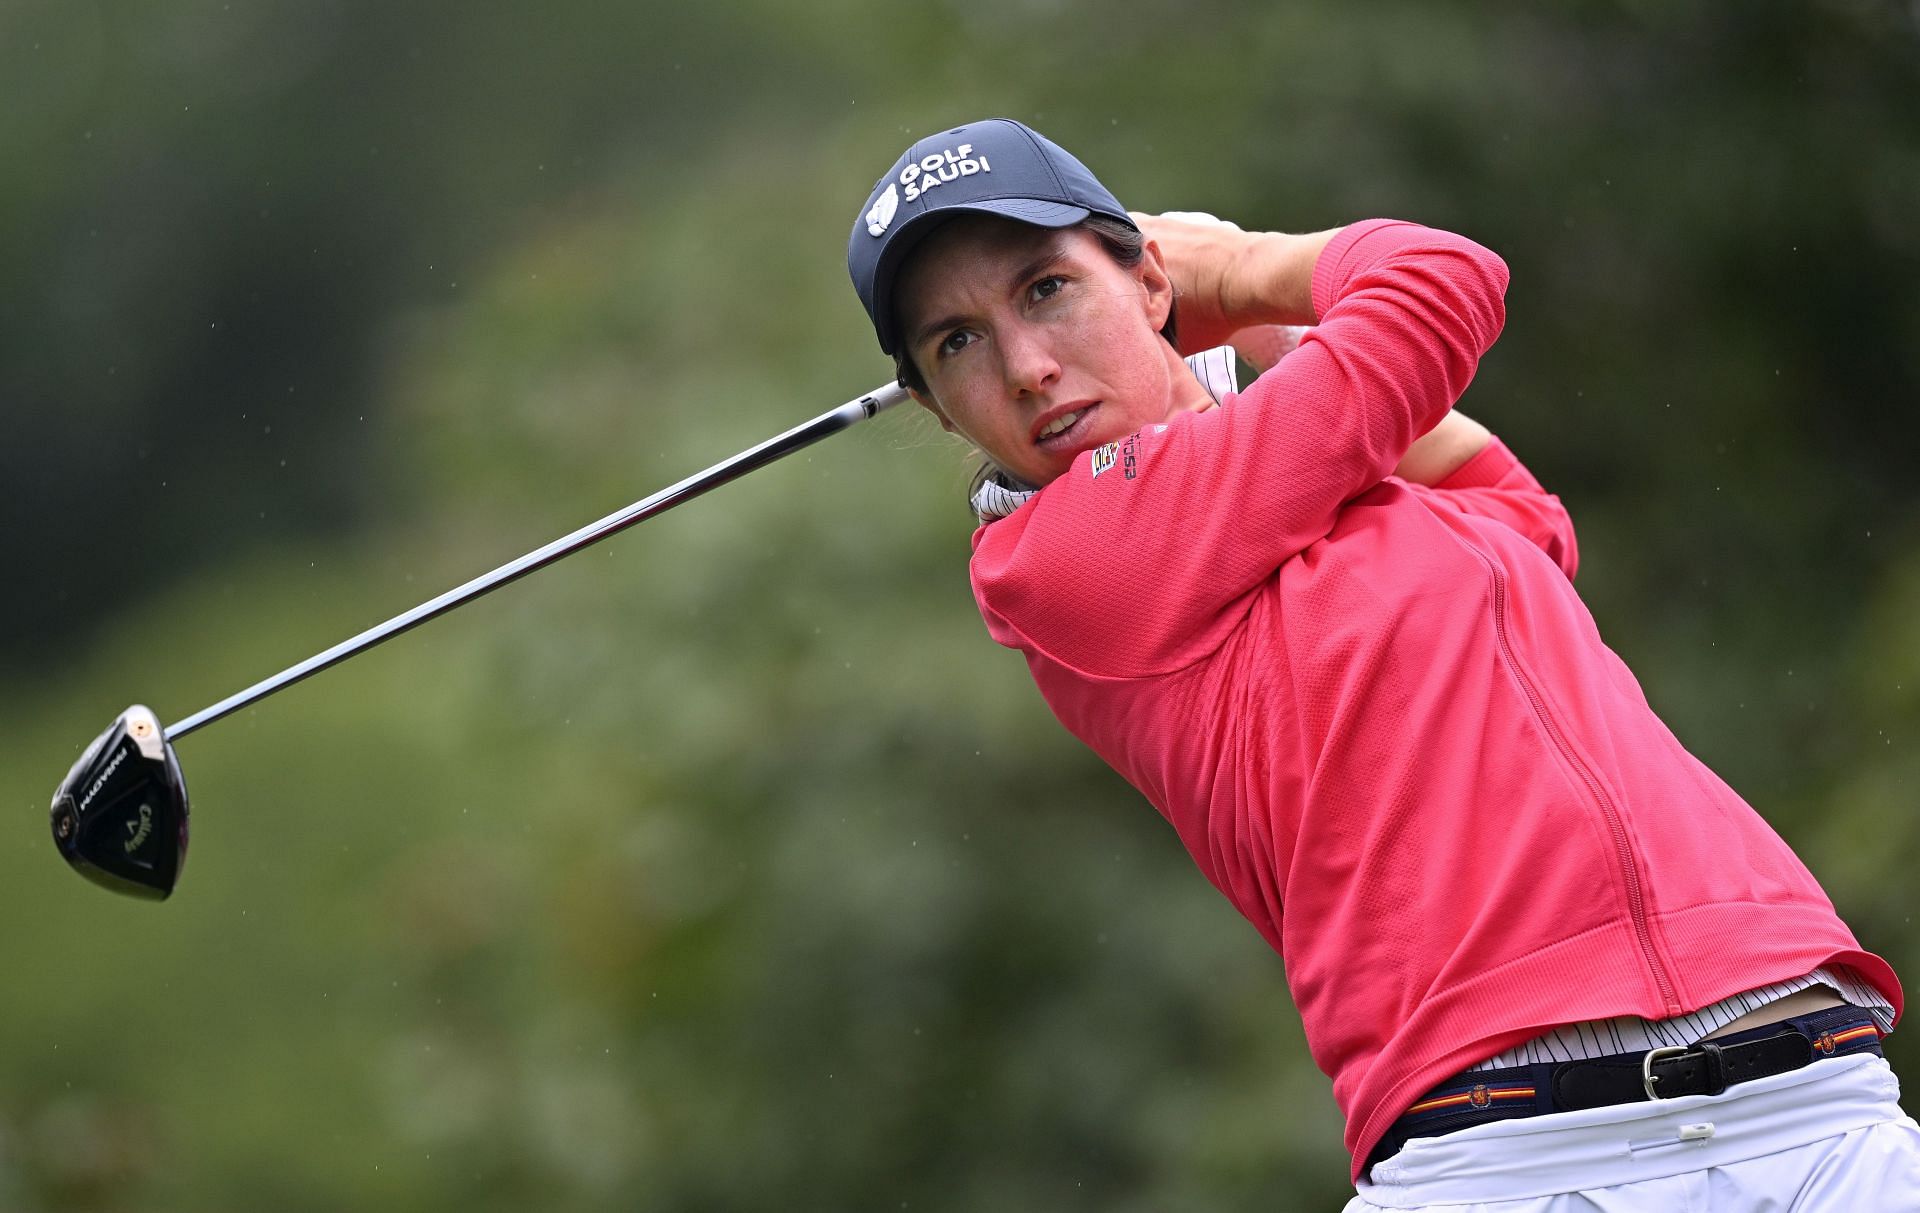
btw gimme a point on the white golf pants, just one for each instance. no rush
(1828, 1138)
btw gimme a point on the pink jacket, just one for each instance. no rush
(1378, 714)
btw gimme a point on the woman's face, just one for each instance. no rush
(1036, 345)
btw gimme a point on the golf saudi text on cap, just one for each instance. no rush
(994, 167)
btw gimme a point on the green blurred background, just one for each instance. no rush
(731, 866)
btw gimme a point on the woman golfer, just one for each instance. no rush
(1327, 627)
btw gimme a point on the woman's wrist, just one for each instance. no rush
(1272, 279)
(1228, 279)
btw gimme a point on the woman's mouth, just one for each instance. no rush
(1065, 430)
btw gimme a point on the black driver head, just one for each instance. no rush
(120, 815)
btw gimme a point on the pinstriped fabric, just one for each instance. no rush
(1215, 370)
(1631, 1034)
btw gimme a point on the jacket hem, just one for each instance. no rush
(1720, 947)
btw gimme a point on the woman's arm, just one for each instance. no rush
(1436, 455)
(1494, 484)
(1227, 279)
(1444, 449)
(1142, 554)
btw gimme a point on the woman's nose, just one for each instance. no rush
(1029, 362)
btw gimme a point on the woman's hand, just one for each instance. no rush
(1226, 279)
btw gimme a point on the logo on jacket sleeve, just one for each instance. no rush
(1125, 453)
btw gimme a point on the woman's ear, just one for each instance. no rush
(1152, 273)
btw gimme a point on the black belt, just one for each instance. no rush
(1705, 1067)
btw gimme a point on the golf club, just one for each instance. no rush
(120, 815)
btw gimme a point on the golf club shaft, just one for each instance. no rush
(780, 446)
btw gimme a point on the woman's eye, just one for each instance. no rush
(954, 342)
(1048, 287)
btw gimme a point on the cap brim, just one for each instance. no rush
(909, 235)
(1026, 210)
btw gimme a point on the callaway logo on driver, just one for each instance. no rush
(120, 815)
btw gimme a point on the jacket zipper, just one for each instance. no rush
(1623, 849)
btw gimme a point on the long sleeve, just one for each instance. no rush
(1137, 560)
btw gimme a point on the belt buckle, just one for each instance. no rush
(1647, 1078)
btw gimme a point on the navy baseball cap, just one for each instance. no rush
(993, 167)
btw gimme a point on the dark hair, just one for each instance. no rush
(1123, 243)
(1126, 246)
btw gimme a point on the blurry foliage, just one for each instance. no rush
(730, 866)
